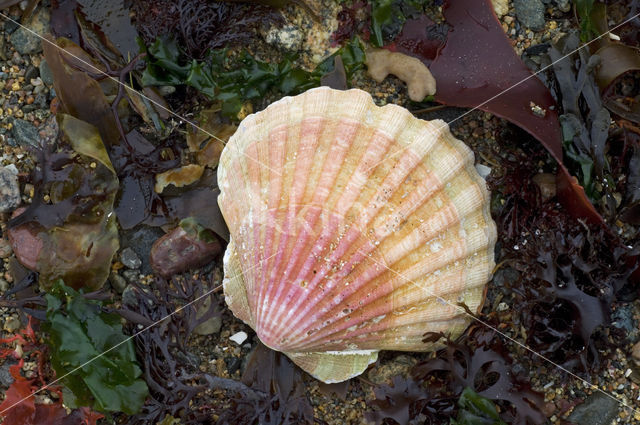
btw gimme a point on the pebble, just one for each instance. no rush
(45, 73)
(288, 38)
(564, 5)
(26, 42)
(9, 190)
(239, 337)
(12, 324)
(130, 259)
(5, 248)
(5, 376)
(597, 409)
(118, 283)
(530, 13)
(25, 133)
(131, 275)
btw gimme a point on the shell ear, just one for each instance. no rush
(333, 367)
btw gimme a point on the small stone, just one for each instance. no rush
(209, 327)
(118, 283)
(25, 133)
(239, 337)
(9, 190)
(530, 13)
(178, 251)
(4, 285)
(233, 364)
(45, 73)
(288, 37)
(564, 5)
(546, 182)
(597, 409)
(5, 376)
(26, 42)
(31, 73)
(131, 275)
(5, 248)
(130, 259)
(12, 324)
(501, 7)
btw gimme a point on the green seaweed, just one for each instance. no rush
(236, 80)
(95, 360)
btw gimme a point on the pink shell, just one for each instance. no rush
(354, 228)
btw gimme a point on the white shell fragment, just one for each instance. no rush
(354, 229)
(239, 337)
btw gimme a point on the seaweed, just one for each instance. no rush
(202, 25)
(569, 274)
(277, 396)
(436, 390)
(168, 368)
(235, 81)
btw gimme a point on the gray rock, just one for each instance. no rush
(130, 259)
(623, 319)
(129, 296)
(597, 409)
(25, 133)
(564, 5)
(45, 73)
(26, 42)
(530, 13)
(9, 190)
(131, 275)
(5, 376)
(288, 37)
(141, 240)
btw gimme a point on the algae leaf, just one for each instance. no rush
(476, 410)
(76, 226)
(90, 342)
(477, 68)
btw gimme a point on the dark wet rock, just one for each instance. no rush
(9, 190)
(178, 251)
(31, 73)
(25, 41)
(5, 376)
(141, 239)
(623, 319)
(597, 409)
(24, 133)
(45, 73)
(130, 259)
(530, 13)
(11, 26)
(233, 364)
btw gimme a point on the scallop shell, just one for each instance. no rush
(354, 229)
